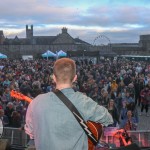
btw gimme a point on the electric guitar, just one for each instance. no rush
(20, 96)
(96, 128)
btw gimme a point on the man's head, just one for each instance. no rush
(64, 71)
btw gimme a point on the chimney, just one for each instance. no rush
(64, 30)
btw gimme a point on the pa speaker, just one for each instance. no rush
(128, 147)
(4, 144)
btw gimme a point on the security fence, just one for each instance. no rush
(15, 136)
(140, 137)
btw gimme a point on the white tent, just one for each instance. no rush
(48, 53)
(61, 54)
(2, 55)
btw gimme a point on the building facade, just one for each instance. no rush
(36, 45)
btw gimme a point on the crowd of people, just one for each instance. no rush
(119, 85)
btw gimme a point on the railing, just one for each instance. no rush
(140, 137)
(15, 136)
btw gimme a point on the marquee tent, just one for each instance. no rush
(48, 53)
(61, 54)
(2, 55)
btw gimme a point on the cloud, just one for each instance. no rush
(35, 12)
(124, 19)
(112, 16)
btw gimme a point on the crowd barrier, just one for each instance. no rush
(15, 136)
(140, 137)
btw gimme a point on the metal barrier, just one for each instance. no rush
(140, 137)
(15, 136)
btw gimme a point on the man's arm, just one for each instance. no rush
(29, 124)
(94, 112)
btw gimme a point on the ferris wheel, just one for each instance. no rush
(101, 40)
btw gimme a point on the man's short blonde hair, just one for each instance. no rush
(64, 70)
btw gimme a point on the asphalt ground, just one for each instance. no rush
(144, 121)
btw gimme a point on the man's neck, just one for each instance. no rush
(63, 86)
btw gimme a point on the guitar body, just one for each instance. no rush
(96, 129)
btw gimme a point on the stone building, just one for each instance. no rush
(140, 48)
(36, 45)
(145, 42)
(2, 38)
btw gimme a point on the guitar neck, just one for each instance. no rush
(20, 96)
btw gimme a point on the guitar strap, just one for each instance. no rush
(77, 115)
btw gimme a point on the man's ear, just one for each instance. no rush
(54, 78)
(75, 78)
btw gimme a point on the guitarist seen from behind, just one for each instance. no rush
(51, 124)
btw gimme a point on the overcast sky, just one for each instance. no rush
(122, 21)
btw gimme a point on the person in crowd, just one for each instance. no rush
(114, 86)
(148, 84)
(96, 94)
(121, 87)
(45, 114)
(15, 120)
(128, 98)
(145, 100)
(4, 118)
(113, 93)
(1, 106)
(124, 110)
(25, 88)
(6, 82)
(6, 95)
(126, 79)
(8, 112)
(104, 98)
(114, 113)
(118, 102)
(129, 122)
(36, 89)
(131, 106)
(131, 90)
(146, 80)
(139, 85)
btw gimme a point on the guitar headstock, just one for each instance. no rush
(19, 96)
